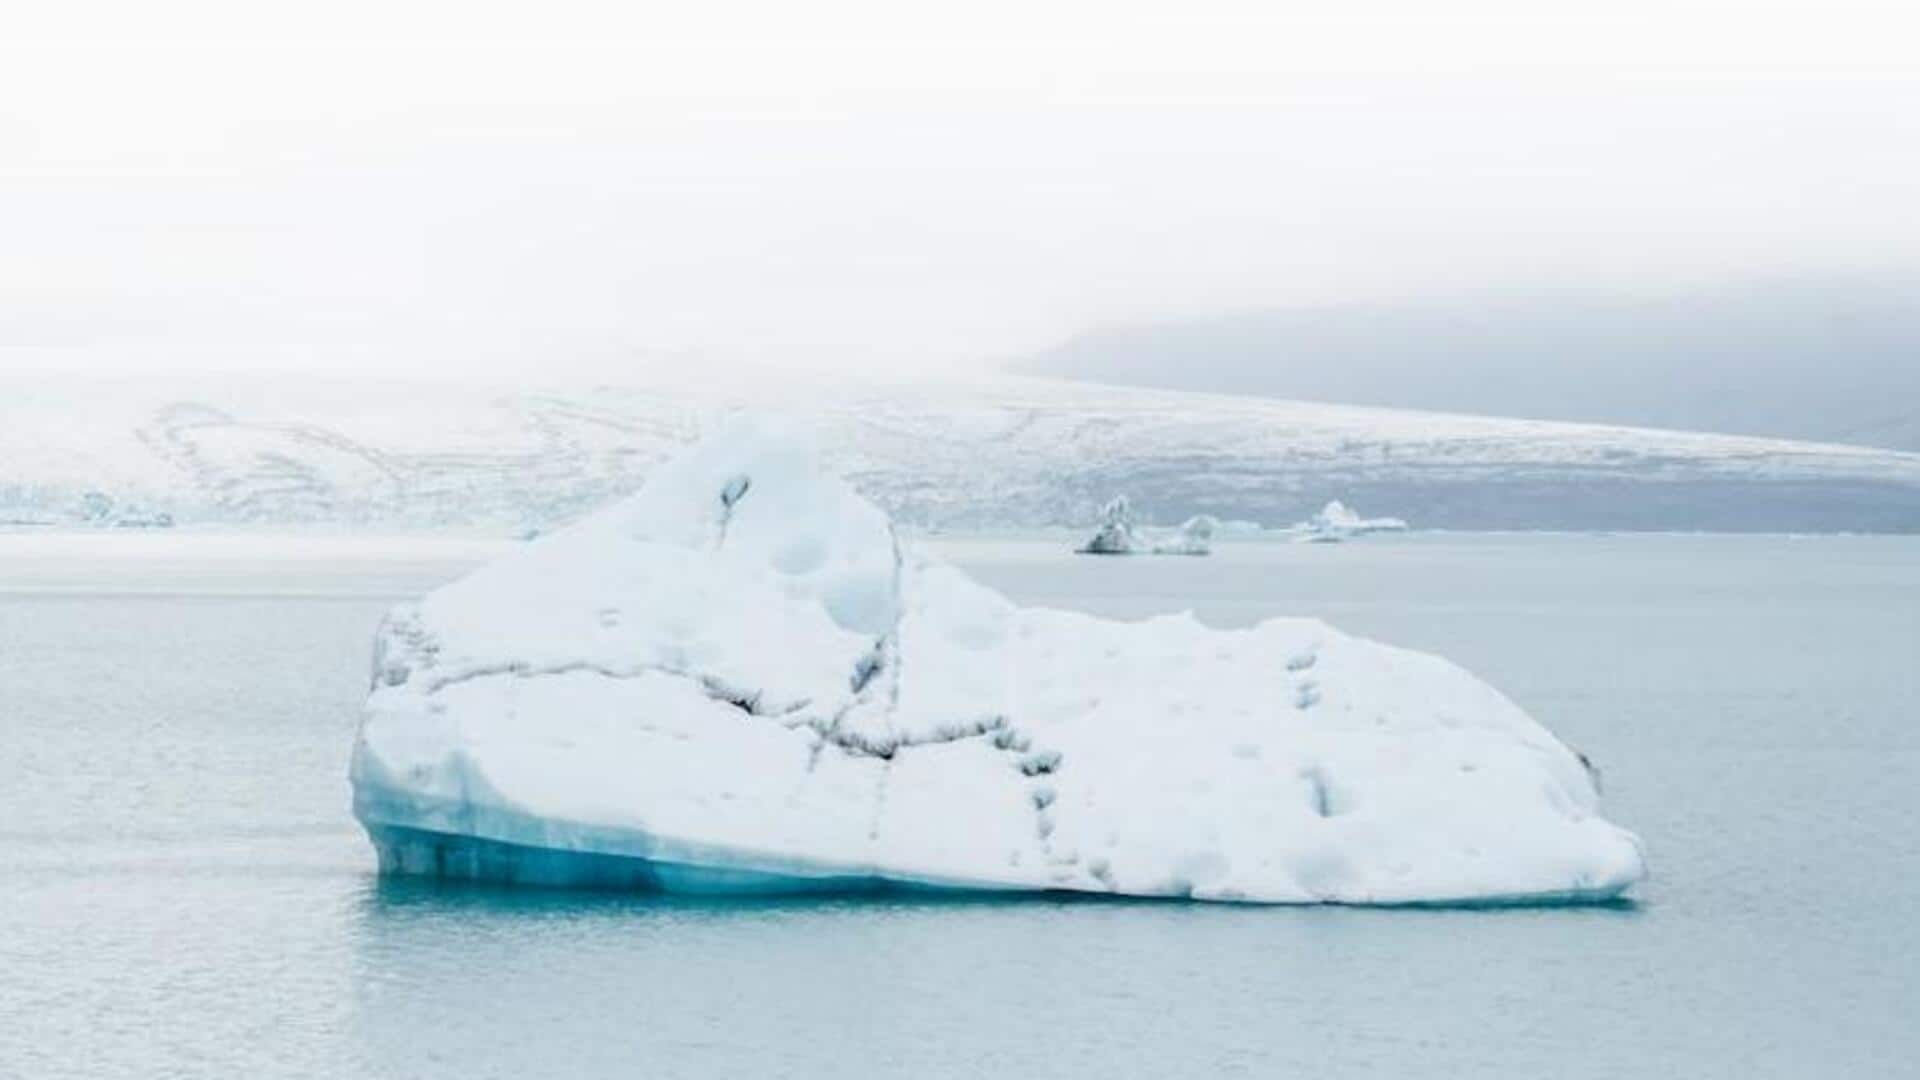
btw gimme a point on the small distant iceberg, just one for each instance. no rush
(739, 680)
(98, 509)
(1337, 522)
(1193, 537)
(143, 519)
(1119, 535)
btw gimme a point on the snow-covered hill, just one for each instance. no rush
(1823, 357)
(991, 452)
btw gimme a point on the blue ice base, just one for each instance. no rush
(457, 839)
(420, 852)
(481, 837)
(405, 851)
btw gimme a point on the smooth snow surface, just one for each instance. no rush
(737, 680)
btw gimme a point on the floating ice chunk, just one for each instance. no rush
(1116, 535)
(1336, 521)
(1119, 535)
(1193, 537)
(737, 681)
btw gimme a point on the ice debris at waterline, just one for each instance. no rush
(1118, 535)
(738, 681)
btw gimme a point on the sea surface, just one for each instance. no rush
(183, 892)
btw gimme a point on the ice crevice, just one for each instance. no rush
(790, 714)
(751, 702)
(731, 493)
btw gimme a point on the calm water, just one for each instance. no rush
(182, 892)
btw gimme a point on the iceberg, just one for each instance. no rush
(1118, 535)
(1336, 521)
(738, 680)
(1193, 537)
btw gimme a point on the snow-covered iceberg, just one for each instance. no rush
(1336, 521)
(1193, 537)
(737, 680)
(1119, 535)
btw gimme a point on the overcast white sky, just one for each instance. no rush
(558, 187)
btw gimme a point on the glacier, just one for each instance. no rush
(986, 452)
(740, 680)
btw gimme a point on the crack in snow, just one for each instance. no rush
(730, 495)
(884, 658)
(751, 702)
